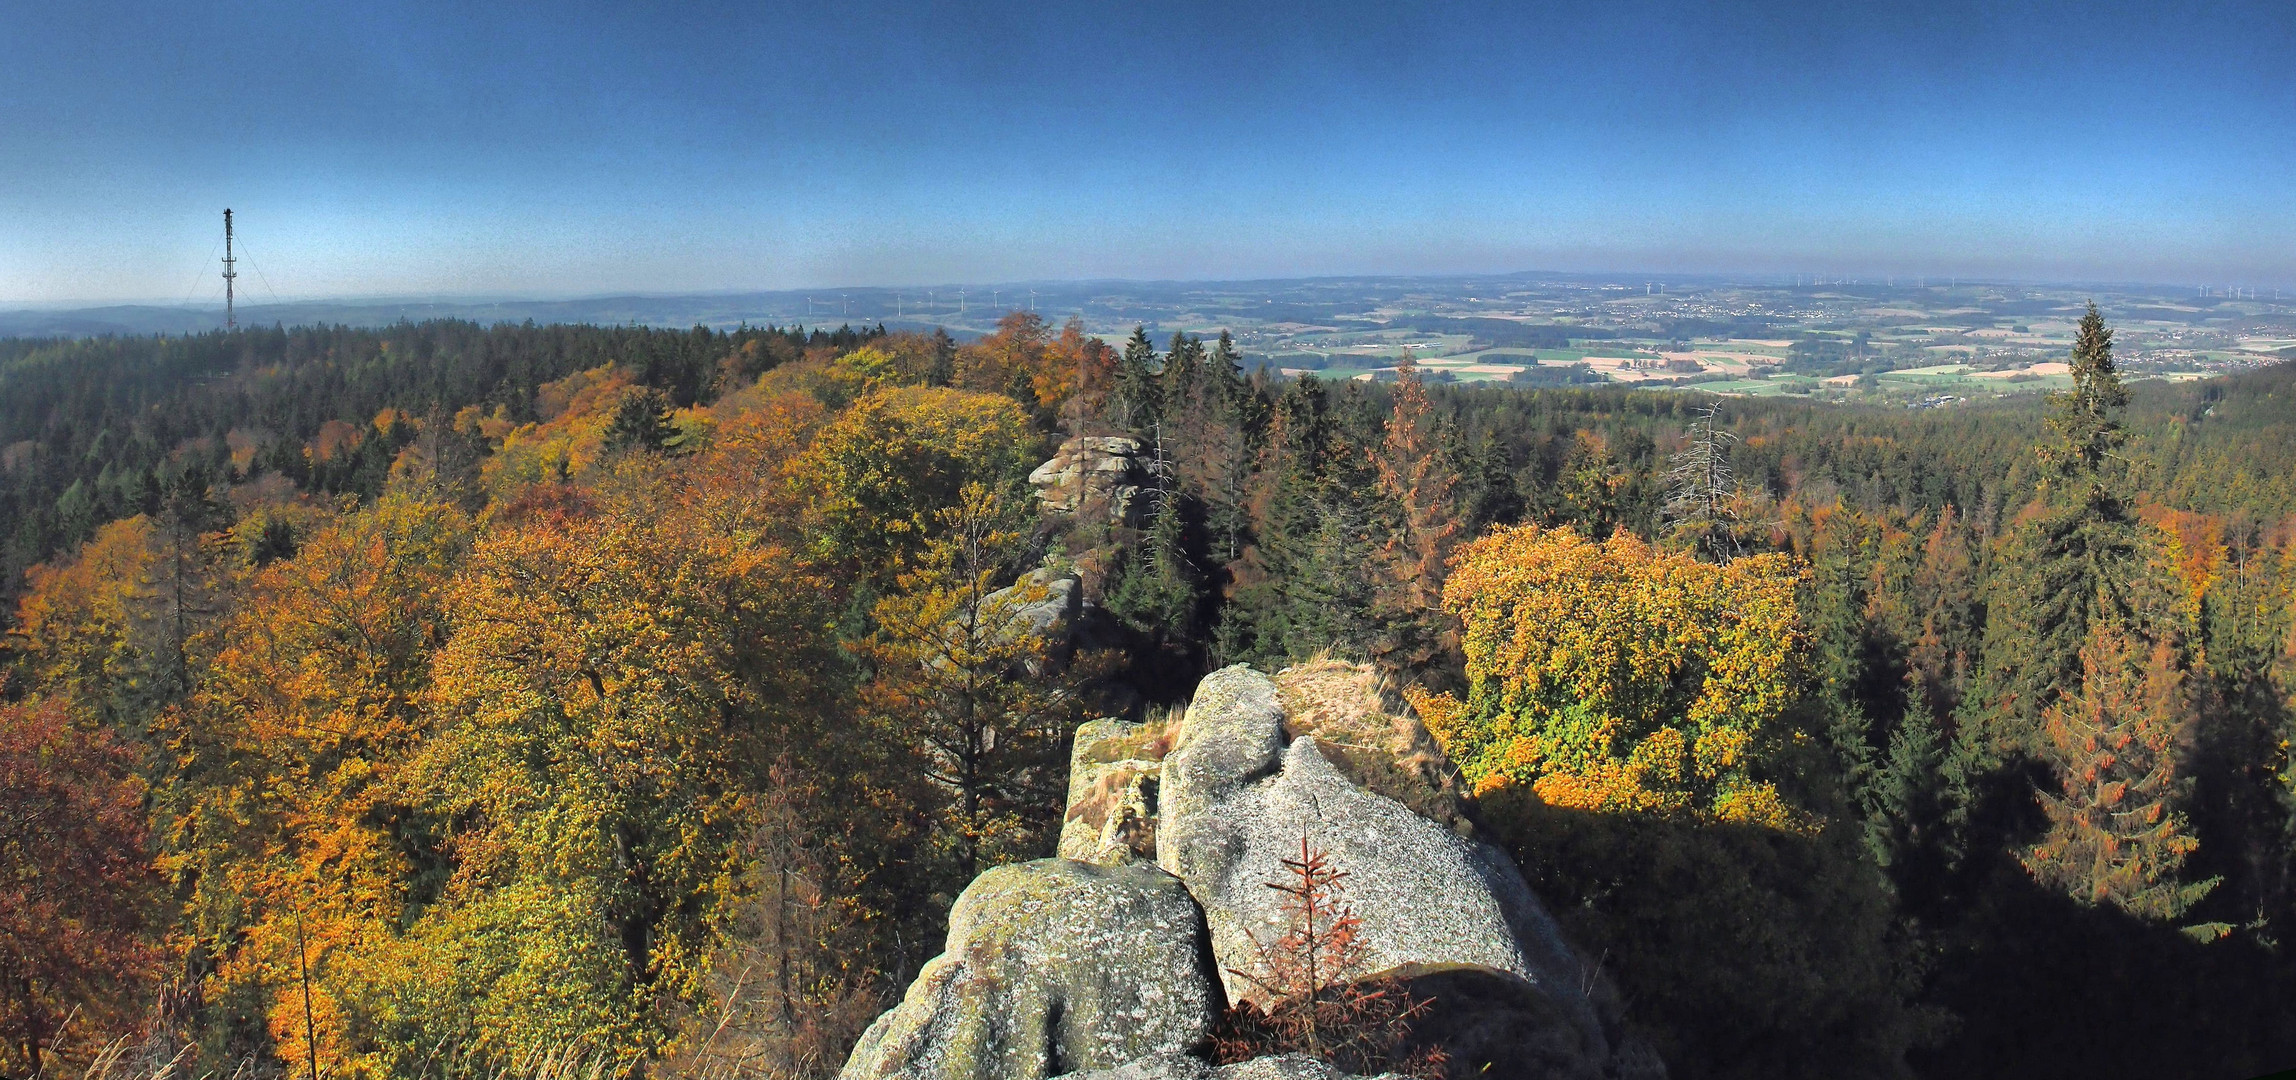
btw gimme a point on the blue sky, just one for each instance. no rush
(383, 148)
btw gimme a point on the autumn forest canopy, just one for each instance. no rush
(429, 699)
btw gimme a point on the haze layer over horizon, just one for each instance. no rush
(387, 149)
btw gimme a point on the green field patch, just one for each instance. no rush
(1748, 387)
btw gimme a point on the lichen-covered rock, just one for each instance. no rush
(1176, 1067)
(1114, 772)
(1052, 967)
(1237, 801)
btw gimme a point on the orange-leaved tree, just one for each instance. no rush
(77, 887)
(1418, 487)
(89, 628)
(2117, 830)
(1414, 476)
(287, 819)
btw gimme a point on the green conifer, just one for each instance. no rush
(642, 422)
(1138, 393)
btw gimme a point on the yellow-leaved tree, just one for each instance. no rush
(288, 821)
(1634, 729)
(89, 628)
(625, 664)
(878, 476)
(1617, 676)
(971, 690)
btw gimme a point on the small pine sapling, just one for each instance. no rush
(1313, 997)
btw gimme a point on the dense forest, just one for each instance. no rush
(445, 698)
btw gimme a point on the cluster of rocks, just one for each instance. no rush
(1094, 474)
(1115, 960)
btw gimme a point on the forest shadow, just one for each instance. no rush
(2043, 986)
(1749, 952)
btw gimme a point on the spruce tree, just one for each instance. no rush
(1225, 369)
(1916, 805)
(1419, 491)
(1138, 392)
(1157, 587)
(1185, 390)
(1491, 495)
(943, 370)
(1329, 602)
(1287, 507)
(2077, 557)
(642, 422)
(2086, 422)
(2117, 829)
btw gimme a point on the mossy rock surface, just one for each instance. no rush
(1114, 775)
(1052, 967)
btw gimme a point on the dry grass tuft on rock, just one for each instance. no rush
(1366, 728)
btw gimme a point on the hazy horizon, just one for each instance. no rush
(825, 294)
(390, 151)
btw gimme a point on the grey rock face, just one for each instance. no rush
(1043, 603)
(1287, 1067)
(1114, 774)
(1051, 967)
(1237, 801)
(1092, 471)
(1100, 961)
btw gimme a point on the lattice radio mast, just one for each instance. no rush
(230, 316)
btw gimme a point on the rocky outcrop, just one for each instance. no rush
(1113, 779)
(1052, 967)
(1237, 801)
(1101, 961)
(1093, 473)
(1045, 604)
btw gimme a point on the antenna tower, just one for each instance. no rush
(230, 315)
